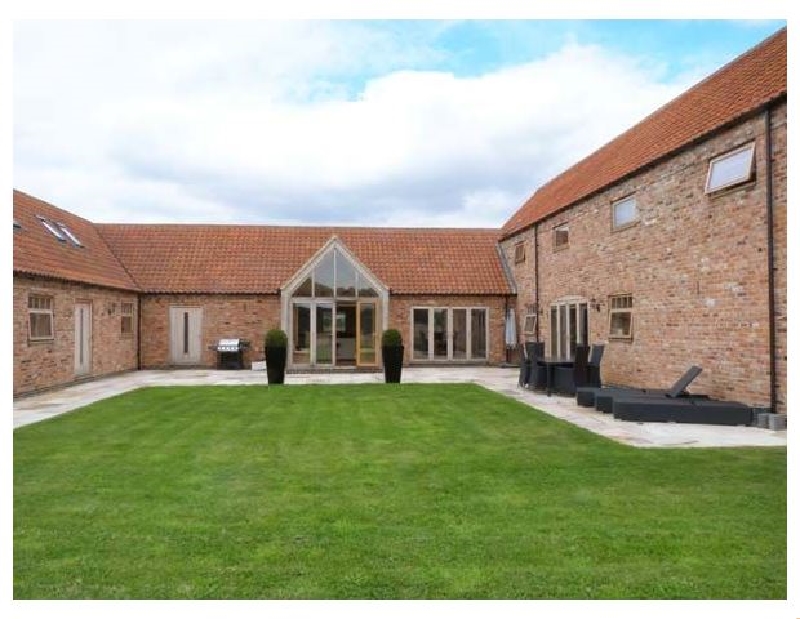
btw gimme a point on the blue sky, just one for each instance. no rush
(443, 123)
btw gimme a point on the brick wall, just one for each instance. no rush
(780, 249)
(244, 316)
(400, 319)
(696, 265)
(38, 365)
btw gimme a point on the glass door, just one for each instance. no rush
(366, 333)
(324, 334)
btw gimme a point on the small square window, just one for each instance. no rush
(561, 236)
(624, 212)
(731, 168)
(621, 317)
(40, 317)
(126, 319)
(519, 252)
(529, 326)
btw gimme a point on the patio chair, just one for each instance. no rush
(593, 369)
(567, 379)
(537, 375)
(601, 397)
(681, 410)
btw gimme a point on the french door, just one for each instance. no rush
(366, 333)
(569, 326)
(449, 334)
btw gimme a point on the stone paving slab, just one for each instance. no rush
(30, 409)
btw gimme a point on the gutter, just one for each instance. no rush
(773, 386)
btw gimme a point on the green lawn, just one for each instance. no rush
(380, 491)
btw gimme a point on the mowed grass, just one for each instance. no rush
(380, 491)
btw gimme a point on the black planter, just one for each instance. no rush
(276, 365)
(392, 363)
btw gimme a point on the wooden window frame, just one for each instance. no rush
(430, 310)
(751, 146)
(620, 309)
(126, 317)
(562, 227)
(48, 311)
(519, 252)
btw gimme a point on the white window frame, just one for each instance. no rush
(626, 224)
(430, 310)
(566, 302)
(41, 311)
(612, 311)
(743, 178)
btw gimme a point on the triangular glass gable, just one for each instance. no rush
(335, 276)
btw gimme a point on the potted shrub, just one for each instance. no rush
(392, 349)
(275, 349)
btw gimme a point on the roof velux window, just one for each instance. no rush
(70, 235)
(731, 168)
(53, 228)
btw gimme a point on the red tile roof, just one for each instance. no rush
(739, 88)
(38, 252)
(259, 259)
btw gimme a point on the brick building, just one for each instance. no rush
(669, 242)
(121, 297)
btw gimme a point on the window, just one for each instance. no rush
(731, 168)
(70, 235)
(529, 323)
(445, 334)
(40, 317)
(126, 324)
(335, 276)
(519, 252)
(17, 225)
(624, 213)
(569, 326)
(54, 229)
(561, 236)
(621, 317)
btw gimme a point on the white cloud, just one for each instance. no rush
(314, 122)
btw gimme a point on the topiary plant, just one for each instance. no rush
(392, 338)
(276, 338)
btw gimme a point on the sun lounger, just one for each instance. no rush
(601, 397)
(681, 410)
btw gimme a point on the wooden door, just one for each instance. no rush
(185, 329)
(83, 339)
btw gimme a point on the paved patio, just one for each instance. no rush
(35, 408)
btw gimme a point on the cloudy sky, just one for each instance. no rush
(430, 123)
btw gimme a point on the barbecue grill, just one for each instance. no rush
(230, 353)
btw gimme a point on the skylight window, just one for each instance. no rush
(70, 235)
(54, 230)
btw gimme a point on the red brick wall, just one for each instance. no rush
(244, 316)
(696, 265)
(38, 365)
(400, 319)
(780, 248)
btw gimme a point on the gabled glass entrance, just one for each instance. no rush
(334, 314)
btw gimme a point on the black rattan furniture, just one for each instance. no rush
(568, 378)
(593, 367)
(601, 397)
(682, 410)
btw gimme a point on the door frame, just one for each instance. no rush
(173, 358)
(83, 326)
(375, 331)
